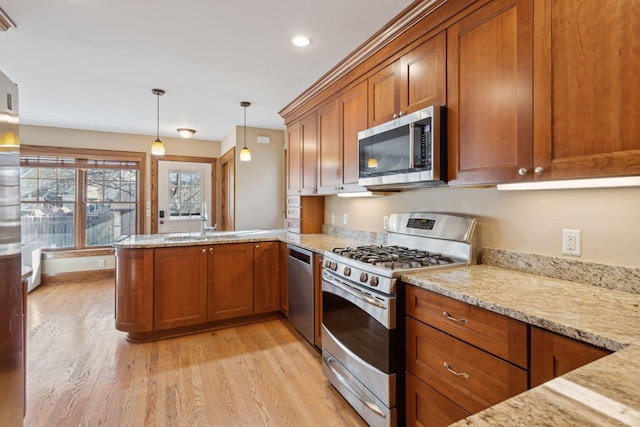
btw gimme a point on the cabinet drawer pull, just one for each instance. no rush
(459, 374)
(453, 319)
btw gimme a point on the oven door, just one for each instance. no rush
(359, 342)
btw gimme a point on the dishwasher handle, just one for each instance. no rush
(302, 256)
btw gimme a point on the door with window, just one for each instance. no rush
(184, 196)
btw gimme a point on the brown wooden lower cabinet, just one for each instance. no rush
(230, 281)
(553, 355)
(426, 407)
(134, 290)
(266, 277)
(171, 291)
(470, 377)
(180, 287)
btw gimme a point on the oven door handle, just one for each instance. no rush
(350, 291)
(375, 408)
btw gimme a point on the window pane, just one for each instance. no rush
(185, 191)
(47, 225)
(107, 222)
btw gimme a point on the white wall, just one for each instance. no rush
(260, 184)
(524, 221)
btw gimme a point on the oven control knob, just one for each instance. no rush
(374, 281)
(327, 264)
(364, 277)
(347, 271)
(334, 265)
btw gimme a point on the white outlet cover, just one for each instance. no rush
(571, 242)
(345, 219)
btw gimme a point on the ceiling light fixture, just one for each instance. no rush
(245, 154)
(157, 148)
(186, 133)
(301, 41)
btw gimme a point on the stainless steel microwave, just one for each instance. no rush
(409, 151)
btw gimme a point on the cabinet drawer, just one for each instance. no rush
(470, 377)
(293, 200)
(293, 225)
(495, 333)
(426, 407)
(293, 212)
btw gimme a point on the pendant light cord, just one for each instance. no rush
(158, 118)
(245, 126)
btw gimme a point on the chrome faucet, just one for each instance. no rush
(203, 226)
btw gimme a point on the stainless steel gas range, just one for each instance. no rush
(362, 305)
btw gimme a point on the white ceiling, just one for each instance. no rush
(91, 64)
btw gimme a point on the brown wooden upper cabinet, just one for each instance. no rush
(339, 122)
(302, 156)
(572, 115)
(490, 105)
(415, 81)
(586, 81)
(294, 159)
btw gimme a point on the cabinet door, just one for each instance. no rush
(309, 137)
(353, 119)
(587, 76)
(294, 159)
(553, 355)
(180, 294)
(284, 280)
(134, 290)
(384, 94)
(423, 75)
(490, 94)
(329, 171)
(266, 277)
(426, 407)
(230, 281)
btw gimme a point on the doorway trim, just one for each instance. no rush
(228, 190)
(154, 183)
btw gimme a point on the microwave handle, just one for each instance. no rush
(412, 145)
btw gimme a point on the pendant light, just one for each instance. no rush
(245, 154)
(157, 148)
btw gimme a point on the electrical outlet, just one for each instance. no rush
(333, 218)
(571, 242)
(385, 222)
(100, 263)
(344, 219)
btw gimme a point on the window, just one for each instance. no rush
(76, 199)
(185, 190)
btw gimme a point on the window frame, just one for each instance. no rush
(83, 159)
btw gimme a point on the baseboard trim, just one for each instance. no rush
(78, 276)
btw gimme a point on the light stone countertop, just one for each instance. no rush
(313, 242)
(604, 392)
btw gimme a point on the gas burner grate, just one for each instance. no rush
(393, 256)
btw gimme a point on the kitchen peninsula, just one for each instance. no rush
(177, 284)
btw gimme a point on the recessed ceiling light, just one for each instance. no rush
(301, 41)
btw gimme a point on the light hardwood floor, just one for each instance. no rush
(82, 372)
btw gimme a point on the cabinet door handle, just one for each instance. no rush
(453, 319)
(257, 246)
(204, 251)
(539, 170)
(459, 374)
(210, 250)
(522, 171)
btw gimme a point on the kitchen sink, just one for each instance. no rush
(213, 235)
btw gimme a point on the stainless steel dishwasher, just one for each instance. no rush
(300, 272)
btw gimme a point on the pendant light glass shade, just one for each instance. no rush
(157, 148)
(245, 154)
